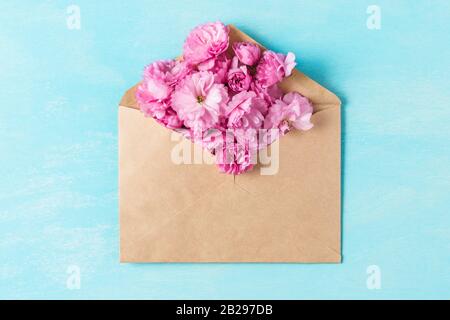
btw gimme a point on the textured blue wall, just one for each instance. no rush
(58, 145)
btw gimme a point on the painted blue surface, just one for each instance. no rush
(58, 144)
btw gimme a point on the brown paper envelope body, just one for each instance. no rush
(193, 213)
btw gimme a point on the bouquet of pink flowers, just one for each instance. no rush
(226, 99)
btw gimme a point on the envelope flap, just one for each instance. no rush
(321, 97)
(129, 98)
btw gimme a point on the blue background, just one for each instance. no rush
(58, 144)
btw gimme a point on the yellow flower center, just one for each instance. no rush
(200, 99)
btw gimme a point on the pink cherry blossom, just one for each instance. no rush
(273, 67)
(213, 139)
(235, 159)
(247, 52)
(246, 110)
(159, 80)
(293, 110)
(217, 66)
(289, 64)
(245, 113)
(269, 94)
(206, 42)
(161, 76)
(153, 94)
(163, 114)
(199, 101)
(177, 71)
(239, 78)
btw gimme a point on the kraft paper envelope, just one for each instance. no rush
(194, 213)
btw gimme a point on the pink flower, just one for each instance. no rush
(273, 67)
(217, 66)
(154, 87)
(176, 72)
(238, 77)
(163, 114)
(294, 109)
(199, 100)
(235, 159)
(206, 42)
(247, 52)
(153, 94)
(246, 110)
(161, 76)
(171, 120)
(289, 64)
(269, 94)
(245, 113)
(159, 80)
(212, 140)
